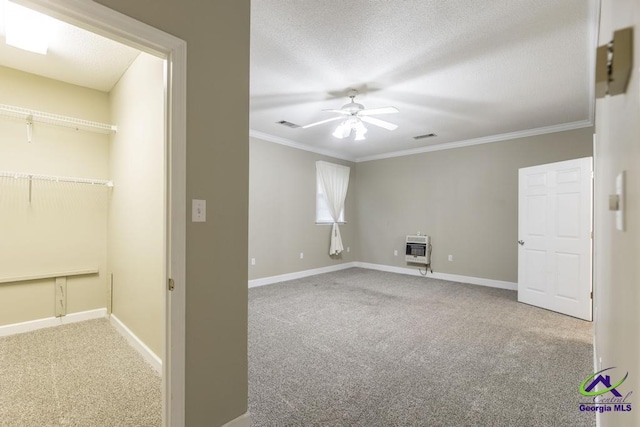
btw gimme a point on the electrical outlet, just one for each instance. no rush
(450, 258)
(253, 261)
(301, 255)
(348, 249)
(395, 252)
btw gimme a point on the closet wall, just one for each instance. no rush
(136, 209)
(64, 226)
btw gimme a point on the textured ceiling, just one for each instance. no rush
(75, 56)
(463, 69)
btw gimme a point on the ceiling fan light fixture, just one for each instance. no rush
(356, 115)
(343, 130)
(359, 127)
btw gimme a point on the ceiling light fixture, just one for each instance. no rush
(352, 124)
(359, 137)
(356, 114)
(343, 130)
(27, 29)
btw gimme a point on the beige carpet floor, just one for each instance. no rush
(82, 374)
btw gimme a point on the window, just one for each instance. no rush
(334, 179)
(332, 183)
(323, 216)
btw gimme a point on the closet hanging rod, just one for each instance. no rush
(38, 177)
(55, 119)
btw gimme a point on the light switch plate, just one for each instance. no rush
(198, 210)
(620, 193)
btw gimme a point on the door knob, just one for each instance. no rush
(521, 242)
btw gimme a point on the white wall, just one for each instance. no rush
(617, 270)
(136, 248)
(64, 226)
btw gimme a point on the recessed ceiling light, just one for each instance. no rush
(27, 29)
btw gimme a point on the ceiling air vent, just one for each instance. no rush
(428, 135)
(288, 124)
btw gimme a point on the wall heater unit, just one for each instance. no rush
(418, 250)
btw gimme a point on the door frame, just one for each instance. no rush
(106, 22)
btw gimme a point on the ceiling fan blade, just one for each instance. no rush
(322, 121)
(382, 110)
(378, 122)
(346, 113)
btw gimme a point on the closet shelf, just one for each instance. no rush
(10, 111)
(49, 275)
(33, 176)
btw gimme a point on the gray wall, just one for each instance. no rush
(465, 198)
(282, 203)
(617, 271)
(217, 36)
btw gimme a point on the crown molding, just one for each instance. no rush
(300, 146)
(438, 147)
(478, 141)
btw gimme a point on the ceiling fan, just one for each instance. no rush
(356, 114)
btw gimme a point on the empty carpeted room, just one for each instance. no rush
(365, 213)
(421, 216)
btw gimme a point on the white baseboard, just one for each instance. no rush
(299, 274)
(388, 268)
(48, 322)
(137, 344)
(243, 420)
(443, 276)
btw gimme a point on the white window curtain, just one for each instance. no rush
(334, 180)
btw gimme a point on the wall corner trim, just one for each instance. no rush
(299, 274)
(48, 322)
(243, 420)
(137, 344)
(442, 276)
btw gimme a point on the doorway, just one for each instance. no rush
(101, 20)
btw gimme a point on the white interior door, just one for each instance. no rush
(554, 229)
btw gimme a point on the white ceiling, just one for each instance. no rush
(75, 56)
(469, 71)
